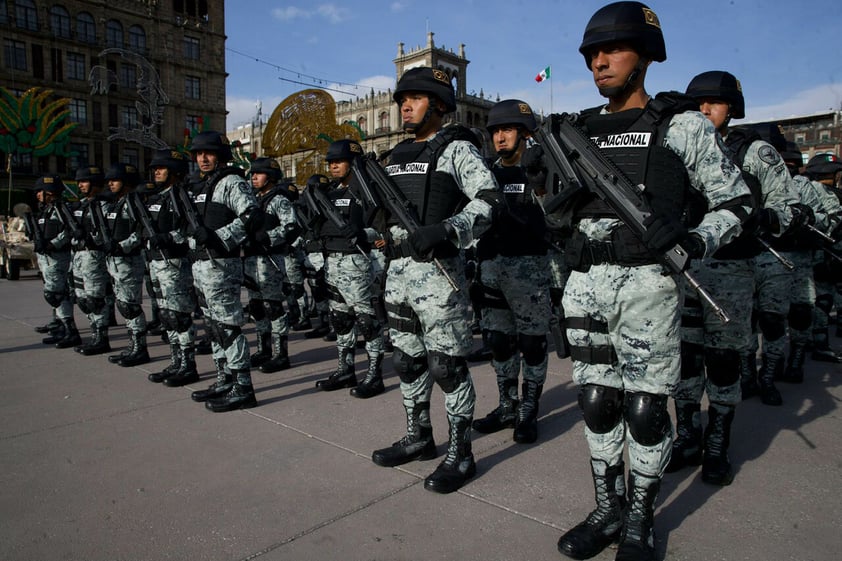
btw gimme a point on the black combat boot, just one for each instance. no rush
(748, 376)
(139, 354)
(505, 414)
(344, 377)
(687, 447)
(769, 370)
(637, 540)
(526, 426)
(115, 359)
(186, 373)
(821, 348)
(171, 368)
(303, 324)
(372, 384)
(224, 383)
(458, 465)
(264, 348)
(99, 342)
(716, 468)
(418, 444)
(240, 396)
(280, 356)
(51, 326)
(794, 373)
(603, 525)
(55, 335)
(71, 335)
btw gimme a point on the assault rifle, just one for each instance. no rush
(98, 220)
(68, 220)
(140, 214)
(579, 164)
(183, 204)
(318, 202)
(827, 241)
(371, 174)
(32, 231)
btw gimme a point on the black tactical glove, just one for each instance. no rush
(354, 235)
(110, 247)
(160, 241)
(762, 221)
(694, 245)
(662, 233)
(425, 238)
(207, 238)
(802, 215)
(533, 164)
(261, 237)
(41, 246)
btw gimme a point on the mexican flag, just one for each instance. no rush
(543, 75)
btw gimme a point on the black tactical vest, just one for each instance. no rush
(214, 215)
(165, 220)
(118, 221)
(346, 205)
(50, 224)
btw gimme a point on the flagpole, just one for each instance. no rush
(551, 90)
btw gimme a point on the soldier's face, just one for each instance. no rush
(339, 168)
(160, 175)
(505, 138)
(84, 187)
(715, 110)
(115, 186)
(612, 63)
(259, 181)
(207, 161)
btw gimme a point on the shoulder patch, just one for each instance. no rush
(769, 155)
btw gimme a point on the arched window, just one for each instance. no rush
(137, 39)
(85, 28)
(362, 122)
(383, 122)
(60, 21)
(26, 16)
(113, 33)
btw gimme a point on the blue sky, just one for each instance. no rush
(787, 57)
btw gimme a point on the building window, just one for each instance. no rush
(383, 122)
(60, 22)
(192, 87)
(362, 122)
(137, 39)
(193, 122)
(128, 117)
(4, 13)
(78, 111)
(26, 17)
(113, 33)
(824, 136)
(191, 48)
(79, 155)
(85, 28)
(14, 54)
(128, 76)
(75, 66)
(800, 138)
(131, 156)
(191, 8)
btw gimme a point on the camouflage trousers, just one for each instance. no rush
(172, 281)
(126, 273)
(91, 281)
(314, 264)
(731, 284)
(265, 282)
(294, 277)
(524, 284)
(350, 280)
(773, 293)
(218, 285)
(802, 290)
(55, 270)
(632, 342)
(443, 316)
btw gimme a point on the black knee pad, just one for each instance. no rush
(296, 290)
(96, 304)
(342, 322)
(647, 417)
(129, 310)
(274, 309)
(54, 299)
(824, 302)
(533, 348)
(256, 309)
(183, 321)
(167, 318)
(227, 334)
(692, 361)
(408, 368)
(800, 316)
(723, 366)
(772, 325)
(369, 326)
(447, 371)
(84, 304)
(602, 407)
(503, 345)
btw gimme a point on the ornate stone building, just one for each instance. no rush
(139, 74)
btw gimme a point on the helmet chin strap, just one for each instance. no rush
(413, 127)
(506, 154)
(633, 77)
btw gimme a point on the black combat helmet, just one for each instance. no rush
(92, 174)
(719, 84)
(49, 183)
(791, 154)
(269, 166)
(127, 173)
(343, 150)
(173, 160)
(212, 141)
(427, 80)
(318, 181)
(629, 22)
(821, 165)
(511, 112)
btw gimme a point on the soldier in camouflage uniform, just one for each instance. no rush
(90, 273)
(514, 276)
(440, 171)
(263, 266)
(170, 270)
(311, 250)
(125, 262)
(229, 212)
(713, 352)
(53, 254)
(622, 311)
(349, 278)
